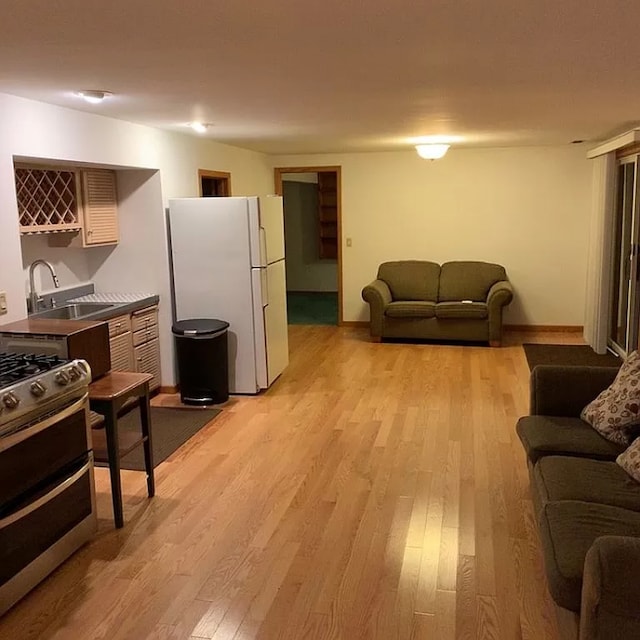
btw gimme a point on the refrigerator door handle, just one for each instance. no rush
(263, 247)
(265, 287)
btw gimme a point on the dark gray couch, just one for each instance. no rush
(587, 507)
(456, 301)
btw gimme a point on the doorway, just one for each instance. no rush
(624, 309)
(214, 184)
(312, 215)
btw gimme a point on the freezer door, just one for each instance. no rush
(275, 321)
(266, 229)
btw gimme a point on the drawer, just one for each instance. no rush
(144, 335)
(119, 325)
(121, 352)
(144, 319)
(147, 360)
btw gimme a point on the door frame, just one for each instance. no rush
(632, 311)
(337, 169)
(223, 176)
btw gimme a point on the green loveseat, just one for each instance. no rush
(587, 507)
(455, 301)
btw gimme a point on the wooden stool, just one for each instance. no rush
(106, 397)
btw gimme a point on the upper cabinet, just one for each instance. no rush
(99, 207)
(68, 199)
(47, 199)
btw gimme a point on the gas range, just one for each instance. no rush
(31, 384)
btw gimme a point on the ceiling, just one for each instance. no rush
(289, 76)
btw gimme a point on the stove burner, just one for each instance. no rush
(15, 367)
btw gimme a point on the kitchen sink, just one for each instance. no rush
(77, 311)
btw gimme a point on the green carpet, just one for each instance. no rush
(312, 308)
(170, 429)
(567, 355)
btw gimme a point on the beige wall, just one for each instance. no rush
(525, 208)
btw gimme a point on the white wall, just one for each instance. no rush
(525, 208)
(305, 270)
(30, 129)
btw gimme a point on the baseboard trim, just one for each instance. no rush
(542, 328)
(172, 389)
(354, 323)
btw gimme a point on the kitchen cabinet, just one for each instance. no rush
(146, 345)
(48, 199)
(68, 199)
(99, 208)
(120, 343)
(134, 343)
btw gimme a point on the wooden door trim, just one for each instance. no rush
(206, 173)
(337, 169)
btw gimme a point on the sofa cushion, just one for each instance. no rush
(548, 435)
(615, 413)
(568, 478)
(411, 279)
(468, 280)
(461, 310)
(415, 309)
(629, 461)
(567, 530)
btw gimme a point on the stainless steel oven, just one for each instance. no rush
(47, 498)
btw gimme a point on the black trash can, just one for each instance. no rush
(203, 361)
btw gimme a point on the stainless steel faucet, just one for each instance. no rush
(34, 298)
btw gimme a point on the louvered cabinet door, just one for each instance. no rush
(147, 358)
(99, 207)
(121, 348)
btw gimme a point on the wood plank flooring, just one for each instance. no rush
(376, 491)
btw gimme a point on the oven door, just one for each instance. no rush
(48, 447)
(47, 498)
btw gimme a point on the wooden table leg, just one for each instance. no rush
(145, 422)
(111, 432)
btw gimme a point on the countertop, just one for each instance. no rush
(48, 327)
(123, 303)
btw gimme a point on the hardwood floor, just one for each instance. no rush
(375, 491)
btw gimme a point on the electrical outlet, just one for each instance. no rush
(348, 242)
(3, 303)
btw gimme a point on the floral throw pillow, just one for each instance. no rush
(615, 413)
(629, 460)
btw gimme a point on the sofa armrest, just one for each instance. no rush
(500, 295)
(565, 390)
(610, 605)
(378, 295)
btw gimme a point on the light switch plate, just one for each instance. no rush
(3, 303)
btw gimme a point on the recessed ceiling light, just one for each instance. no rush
(94, 96)
(432, 151)
(199, 127)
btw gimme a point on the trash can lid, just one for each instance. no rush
(198, 327)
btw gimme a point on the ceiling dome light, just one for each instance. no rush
(94, 96)
(432, 151)
(199, 127)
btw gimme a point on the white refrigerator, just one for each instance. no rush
(227, 258)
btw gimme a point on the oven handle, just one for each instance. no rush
(19, 436)
(63, 486)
